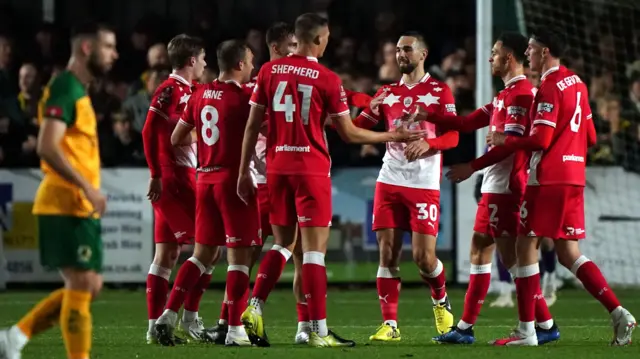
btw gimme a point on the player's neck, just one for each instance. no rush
(185, 74)
(80, 70)
(274, 55)
(415, 76)
(512, 73)
(229, 76)
(549, 64)
(306, 50)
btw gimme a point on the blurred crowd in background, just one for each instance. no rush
(361, 51)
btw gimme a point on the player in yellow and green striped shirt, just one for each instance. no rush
(69, 203)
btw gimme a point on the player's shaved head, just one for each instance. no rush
(182, 48)
(514, 43)
(308, 27)
(230, 53)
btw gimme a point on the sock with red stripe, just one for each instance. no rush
(595, 283)
(271, 268)
(479, 282)
(527, 289)
(187, 278)
(437, 283)
(388, 283)
(314, 283)
(157, 291)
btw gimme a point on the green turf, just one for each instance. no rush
(120, 325)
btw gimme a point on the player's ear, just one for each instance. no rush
(425, 54)
(316, 40)
(87, 46)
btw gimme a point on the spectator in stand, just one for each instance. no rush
(389, 71)
(137, 105)
(44, 57)
(123, 148)
(7, 82)
(613, 133)
(631, 102)
(208, 76)
(30, 92)
(157, 56)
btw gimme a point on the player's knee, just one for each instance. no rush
(482, 248)
(567, 253)
(425, 259)
(206, 254)
(83, 280)
(166, 255)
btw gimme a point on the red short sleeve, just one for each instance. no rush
(517, 107)
(336, 97)
(546, 106)
(259, 96)
(448, 107)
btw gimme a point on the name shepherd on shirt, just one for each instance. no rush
(296, 70)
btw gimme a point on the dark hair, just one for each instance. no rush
(278, 32)
(307, 26)
(89, 29)
(515, 43)
(551, 38)
(230, 53)
(418, 37)
(183, 47)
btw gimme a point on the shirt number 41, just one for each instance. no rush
(284, 103)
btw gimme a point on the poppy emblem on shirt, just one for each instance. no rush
(54, 111)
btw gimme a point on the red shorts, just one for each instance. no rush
(410, 209)
(265, 208)
(305, 200)
(223, 219)
(174, 212)
(553, 211)
(498, 215)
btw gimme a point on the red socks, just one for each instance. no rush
(192, 301)
(237, 292)
(314, 282)
(479, 282)
(270, 270)
(436, 281)
(157, 290)
(595, 283)
(527, 292)
(187, 278)
(388, 283)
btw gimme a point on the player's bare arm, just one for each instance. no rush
(254, 124)
(352, 134)
(51, 133)
(182, 134)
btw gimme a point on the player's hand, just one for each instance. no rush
(418, 149)
(369, 150)
(374, 105)
(245, 187)
(496, 138)
(155, 189)
(404, 134)
(97, 200)
(460, 172)
(417, 114)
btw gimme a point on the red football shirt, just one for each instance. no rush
(298, 94)
(167, 104)
(509, 112)
(219, 111)
(562, 102)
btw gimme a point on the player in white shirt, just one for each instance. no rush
(407, 196)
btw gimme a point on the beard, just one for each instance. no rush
(94, 66)
(407, 68)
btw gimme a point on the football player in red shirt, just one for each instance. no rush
(172, 183)
(219, 113)
(298, 94)
(407, 194)
(553, 205)
(503, 185)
